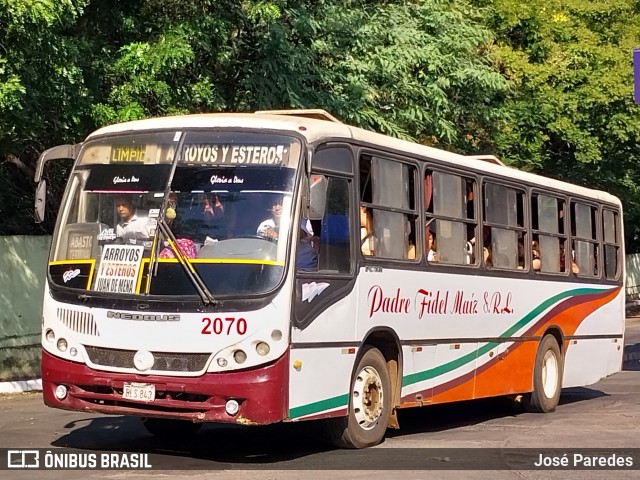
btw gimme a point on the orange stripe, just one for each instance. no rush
(512, 371)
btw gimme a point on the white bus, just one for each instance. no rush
(283, 266)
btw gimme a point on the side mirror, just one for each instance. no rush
(41, 200)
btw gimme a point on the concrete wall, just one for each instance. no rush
(632, 263)
(23, 261)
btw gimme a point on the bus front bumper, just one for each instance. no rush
(262, 392)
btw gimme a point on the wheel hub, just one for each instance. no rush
(368, 397)
(549, 374)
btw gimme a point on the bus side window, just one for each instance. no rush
(584, 253)
(450, 218)
(367, 240)
(334, 251)
(388, 212)
(611, 239)
(549, 239)
(504, 216)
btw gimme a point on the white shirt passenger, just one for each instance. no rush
(135, 230)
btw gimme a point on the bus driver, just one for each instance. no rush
(133, 225)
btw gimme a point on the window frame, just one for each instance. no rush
(617, 242)
(412, 215)
(524, 230)
(563, 237)
(597, 242)
(430, 217)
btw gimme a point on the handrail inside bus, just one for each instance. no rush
(315, 113)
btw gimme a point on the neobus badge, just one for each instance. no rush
(235, 154)
(143, 316)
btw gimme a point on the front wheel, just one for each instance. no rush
(547, 378)
(369, 404)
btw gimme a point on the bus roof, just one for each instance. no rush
(315, 124)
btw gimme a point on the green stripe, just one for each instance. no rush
(471, 356)
(315, 407)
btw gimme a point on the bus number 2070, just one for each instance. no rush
(224, 326)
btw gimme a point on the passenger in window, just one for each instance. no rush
(486, 251)
(186, 246)
(134, 226)
(366, 232)
(306, 256)
(536, 263)
(270, 228)
(486, 247)
(432, 255)
(521, 262)
(411, 251)
(574, 266)
(469, 248)
(486, 256)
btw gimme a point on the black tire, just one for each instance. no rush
(369, 404)
(170, 429)
(547, 378)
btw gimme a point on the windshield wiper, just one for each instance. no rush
(198, 283)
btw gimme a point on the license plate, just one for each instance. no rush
(145, 392)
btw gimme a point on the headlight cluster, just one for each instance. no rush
(240, 356)
(61, 343)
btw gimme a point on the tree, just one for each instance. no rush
(43, 97)
(411, 69)
(418, 70)
(570, 113)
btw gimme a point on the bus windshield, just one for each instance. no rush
(225, 200)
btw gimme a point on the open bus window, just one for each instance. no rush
(388, 208)
(334, 242)
(549, 239)
(451, 219)
(504, 219)
(585, 249)
(611, 237)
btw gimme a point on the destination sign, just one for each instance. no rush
(119, 267)
(203, 153)
(127, 153)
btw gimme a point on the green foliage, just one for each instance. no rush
(570, 114)
(417, 70)
(544, 84)
(43, 98)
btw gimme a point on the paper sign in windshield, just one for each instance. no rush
(119, 267)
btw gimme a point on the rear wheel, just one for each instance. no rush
(369, 404)
(547, 378)
(170, 429)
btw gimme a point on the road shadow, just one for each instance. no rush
(632, 356)
(285, 445)
(437, 418)
(218, 446)
(579, 394)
